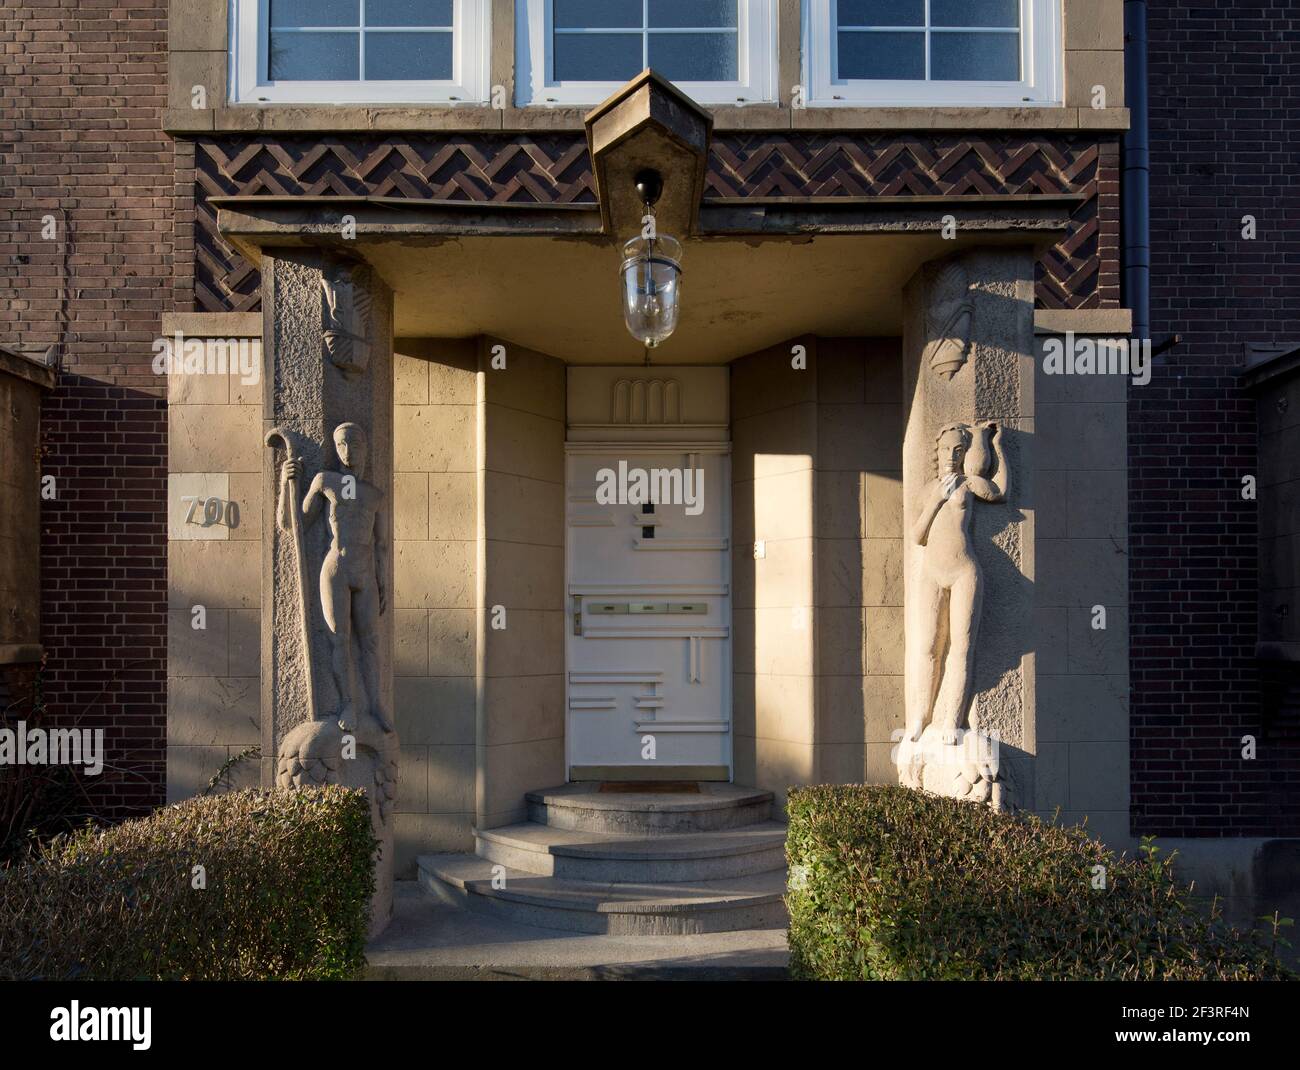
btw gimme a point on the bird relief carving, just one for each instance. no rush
(346, 312)
(948, 321)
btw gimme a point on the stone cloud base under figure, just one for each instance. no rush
(969, 769)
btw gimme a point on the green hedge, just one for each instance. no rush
(887, 883)
(288, 876)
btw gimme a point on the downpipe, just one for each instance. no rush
(1135, 183)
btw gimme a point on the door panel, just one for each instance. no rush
(648, 636)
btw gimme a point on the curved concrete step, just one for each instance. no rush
(602, 857)
(584, 808)
(753, 902)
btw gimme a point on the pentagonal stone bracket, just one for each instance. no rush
(649, 123)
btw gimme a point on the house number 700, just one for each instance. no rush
(214, 511)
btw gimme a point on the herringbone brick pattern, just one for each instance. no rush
(535, 170)
(1080, 272)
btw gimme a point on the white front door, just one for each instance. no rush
(648, 631)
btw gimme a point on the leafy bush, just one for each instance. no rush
(36, 801)
(288, 877)
(887, 883)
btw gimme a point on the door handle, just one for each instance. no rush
(577, 614)
(647, 607)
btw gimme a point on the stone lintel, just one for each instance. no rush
(26, 367)
(1040, 224)
(213, 324)
(20, 653)
(253, 224)
(1089, 321)
(1267, 365)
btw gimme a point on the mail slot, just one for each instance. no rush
(688, 607)
(614, 608)
(647, 607)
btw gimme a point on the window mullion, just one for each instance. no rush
(361, 45)
(927, 40)
(833, 52)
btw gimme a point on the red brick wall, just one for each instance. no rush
(1225, 93)
(81, 100)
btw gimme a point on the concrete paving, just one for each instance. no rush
(430, 941)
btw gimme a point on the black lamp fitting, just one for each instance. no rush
(649, 185)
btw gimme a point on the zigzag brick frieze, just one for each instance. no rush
(545, 169)
(1079, 272)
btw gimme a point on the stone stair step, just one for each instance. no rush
(431, 941)
(749, 902)
(621, 859)
(583, 807)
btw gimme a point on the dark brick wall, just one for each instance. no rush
(1225, 120)
(81, 99)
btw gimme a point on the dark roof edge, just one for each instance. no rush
(1264, 364)
(26, 366)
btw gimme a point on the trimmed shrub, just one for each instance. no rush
(887, 883)
(287, 878)
(36, 801)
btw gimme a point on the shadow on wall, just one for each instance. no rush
(103, 559)
(819, 618)
(997, 535)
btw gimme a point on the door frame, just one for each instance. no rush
(641, 446)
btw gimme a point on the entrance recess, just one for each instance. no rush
(648, 631)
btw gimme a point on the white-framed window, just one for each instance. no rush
(359, 51)
(927, 53)
(578, 52)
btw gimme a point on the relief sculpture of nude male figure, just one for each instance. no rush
(352, 590)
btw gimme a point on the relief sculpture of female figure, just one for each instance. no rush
(970, 467)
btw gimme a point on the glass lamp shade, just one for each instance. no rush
(651, 287)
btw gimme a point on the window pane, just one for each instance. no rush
(975, 57)
(597, 14)
(408, 57)
(315, 13)
(315, 57)
(694, 57)
(408, 13)
(974, 13)
(692, 13)
(881, 12)
(882, 56)
(597, 57)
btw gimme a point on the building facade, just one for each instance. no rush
(235, 226)
(1212, 571)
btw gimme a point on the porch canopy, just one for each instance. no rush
(756, 270)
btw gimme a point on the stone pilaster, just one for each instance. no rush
(328, 362)
(968, 534)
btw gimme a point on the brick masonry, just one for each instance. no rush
(1225, 92)
(81, 101)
